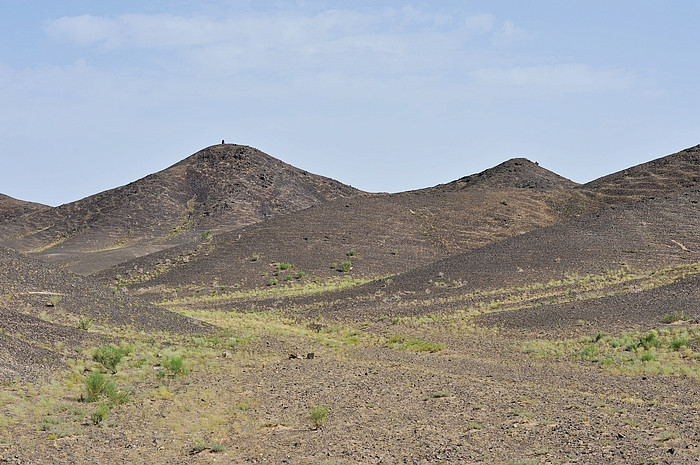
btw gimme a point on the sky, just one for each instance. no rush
(386, 96)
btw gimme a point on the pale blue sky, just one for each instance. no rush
(385, 96)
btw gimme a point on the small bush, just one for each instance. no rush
(272, 282)
(318, 416)
(54, 300)
(255, 257)
(100, 413)
(84, 323)
(210, 446)
(351, 253)
(174, 366)
(284, 266)
(110, 356)
(674, 317)
(300, 275)
(345, 266)
(97, 385)
(677, 343)
(590, 352)
(649, 341)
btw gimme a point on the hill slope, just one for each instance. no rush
(11, 207)
(637, 245)
(222, 187)
(378, 234)
(41, 308)
(677, 171)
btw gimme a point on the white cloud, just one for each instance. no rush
(556, 78)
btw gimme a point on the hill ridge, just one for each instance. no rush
(518, 173)
(221, 187)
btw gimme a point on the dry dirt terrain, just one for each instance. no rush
(509, 317)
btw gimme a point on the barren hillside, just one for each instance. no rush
(220, 188)
(377, 234)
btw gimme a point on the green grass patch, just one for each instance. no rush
(675, 316)
(669, 352)
(401, 342)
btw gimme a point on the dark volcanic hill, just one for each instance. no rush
(379, 234)
(393, 233)
(648, 234)
(673, 172)
(11, 207)
(629, 241)
(220, 188)
(519, 173)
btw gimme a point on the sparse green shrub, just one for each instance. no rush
(351, 253)
(630, 346)
(590, 352)
(110, 356)
(55, 299)
(649, 341)
(210, 446)
(288, 277)
(318, 416)
(677, 343)
(668, 435)
(84, 323)
(100, 413)
(97, 385)
(284, 266)
(395, 252)
(674, 317)
(172, 366)
(345, 266)
(255, 257)
(272, 282)
(300, 275)
(647, 357)
(398, 341)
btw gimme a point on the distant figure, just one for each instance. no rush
(222, 141)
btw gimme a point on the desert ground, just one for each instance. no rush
(235, 309)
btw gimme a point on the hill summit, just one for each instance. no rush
(519, 173)
(219, 188)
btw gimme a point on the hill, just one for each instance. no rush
(677, 171)
(639, 245)
(219, 188)
(11, 207)
(378, 234)
(519, 173)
